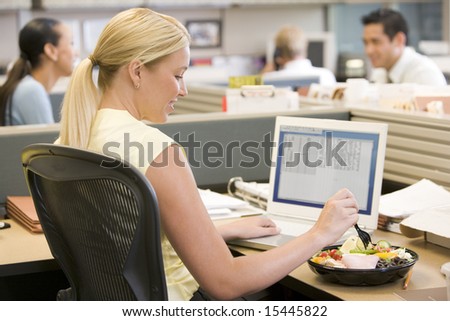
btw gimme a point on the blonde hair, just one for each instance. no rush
(291, 42)
(137, 33)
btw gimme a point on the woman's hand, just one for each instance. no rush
(252, 226)
(339, 213)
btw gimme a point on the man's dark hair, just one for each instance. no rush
(392, 21)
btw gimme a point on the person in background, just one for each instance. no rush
(385, 39)
(46, 54)
(142, 57)
(289, 59)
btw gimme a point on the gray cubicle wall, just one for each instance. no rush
(418, 145)
(208, 98)
(233, 146)
(12, 140)
(210, 169)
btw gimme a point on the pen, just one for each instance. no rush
(4, 225)
(408, 278)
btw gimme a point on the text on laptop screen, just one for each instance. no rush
(313, 163)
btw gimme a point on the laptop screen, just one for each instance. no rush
(314, 158)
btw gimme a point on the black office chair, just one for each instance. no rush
(101, 220)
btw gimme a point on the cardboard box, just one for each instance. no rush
(429, 236)
(437, 239)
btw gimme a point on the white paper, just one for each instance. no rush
(420, 196)
(235, 213)
(436, 221)
(221, 206)
(214, 200)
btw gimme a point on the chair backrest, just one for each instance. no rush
(101, 219)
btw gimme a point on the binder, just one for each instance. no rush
(252, 192)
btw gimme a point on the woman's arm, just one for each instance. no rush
(202, 248)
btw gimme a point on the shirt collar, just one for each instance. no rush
(396, 72)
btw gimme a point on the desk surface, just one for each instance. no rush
(24, 252)
(426, 274)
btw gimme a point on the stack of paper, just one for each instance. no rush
(421, 196)
(21, 208)
(222, 206)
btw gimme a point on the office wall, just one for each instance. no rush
(248, 29)
(8, 36)
(245, 30)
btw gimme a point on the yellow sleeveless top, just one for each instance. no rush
(118, 134)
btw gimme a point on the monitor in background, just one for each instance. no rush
(322, 50)
(315, 53)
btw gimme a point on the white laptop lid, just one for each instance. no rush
(313, 158)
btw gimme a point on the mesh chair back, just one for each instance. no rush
(101, 219)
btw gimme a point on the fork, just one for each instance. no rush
(364, 236)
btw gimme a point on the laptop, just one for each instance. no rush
(311, 160)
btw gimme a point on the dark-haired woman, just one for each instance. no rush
(46, 54)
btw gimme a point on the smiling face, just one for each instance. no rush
(382, 51)
(160, 86)
(65, 51)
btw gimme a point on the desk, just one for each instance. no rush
(426, 274)
(23, 252)
(28, 270)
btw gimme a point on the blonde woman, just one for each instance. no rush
(142, 57)
(46, 54)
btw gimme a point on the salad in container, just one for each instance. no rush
(354, 264)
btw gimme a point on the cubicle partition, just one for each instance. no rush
(207, 98)
(418, 145)
(218, 146)
(221, 146)
(12, 140)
